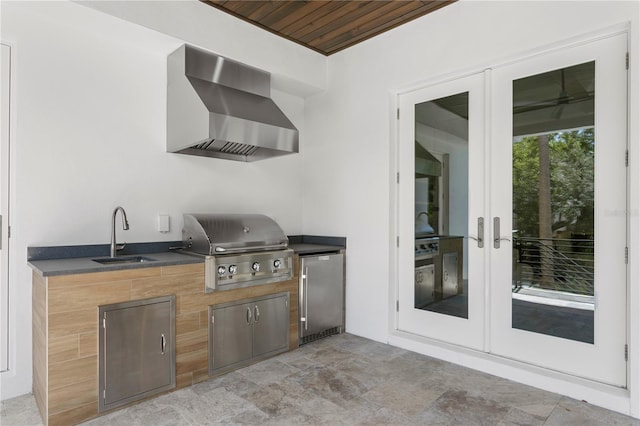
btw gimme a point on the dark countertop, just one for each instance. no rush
(314, 244)
(305, 249)
(85, 265)
(69, 260)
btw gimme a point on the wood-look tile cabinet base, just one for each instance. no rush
(65, 329)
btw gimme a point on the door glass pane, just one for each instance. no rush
(553, 203)
(441, 205)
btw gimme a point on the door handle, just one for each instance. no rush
(256, 314)
(306, 297)
(248, 315)
(163, 343)
(496, 233)
(480, 237)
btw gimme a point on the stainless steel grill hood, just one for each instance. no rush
(220, 108)
(211, 234)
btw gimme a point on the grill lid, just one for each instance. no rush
(231, 233)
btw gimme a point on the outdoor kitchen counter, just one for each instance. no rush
(310, 244)
(71, 260)
(68, 289)
(86, 265)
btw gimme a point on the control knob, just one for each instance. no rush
(221, 270)
(277, 263)
(255, 266)
(233, 269)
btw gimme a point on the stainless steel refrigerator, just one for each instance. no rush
(321, 294)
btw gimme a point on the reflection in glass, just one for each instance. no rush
(441, 205)
(553, 203)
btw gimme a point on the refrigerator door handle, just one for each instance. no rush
(305, 297)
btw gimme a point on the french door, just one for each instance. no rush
(558, 272)
(444, 130)
(517, 176)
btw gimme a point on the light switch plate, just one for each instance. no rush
(163, 222)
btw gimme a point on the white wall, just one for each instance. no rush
(295, 69)
(90, 94)
(349, 162)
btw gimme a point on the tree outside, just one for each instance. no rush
(553, 195)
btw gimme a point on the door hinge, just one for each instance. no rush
(398, 177)
(398, 110)
(104, 323)
(397, 306)
(626, 60)
(626, 255)
(104, 394)
(626, 158)
(213, 319)
(626, 352)
(397, 241)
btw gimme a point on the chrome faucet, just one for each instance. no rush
(125, 225)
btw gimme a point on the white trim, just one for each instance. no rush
(8, 70)
(508, 60)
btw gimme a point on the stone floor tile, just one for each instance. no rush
(269, 371)
(460, 408)
(516, 417)
(20, 411)
(409, 398)
(572, 412)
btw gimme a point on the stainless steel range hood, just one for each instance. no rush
(220, 108)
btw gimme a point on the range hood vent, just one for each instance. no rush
(220, 108)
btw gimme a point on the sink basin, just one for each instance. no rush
(123, 259)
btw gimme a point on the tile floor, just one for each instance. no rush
(347, 380)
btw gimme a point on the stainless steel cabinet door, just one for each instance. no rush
(270, 325)
(231, 335)
(449, 274)
(138, 347)
(322, 293)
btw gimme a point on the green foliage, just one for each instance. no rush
(571, 171)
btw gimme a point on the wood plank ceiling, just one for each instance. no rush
(328, 26)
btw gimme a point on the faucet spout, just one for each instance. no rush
(125, 225)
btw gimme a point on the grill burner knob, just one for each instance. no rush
(233, 269)
(255, 266)
(277, 263)
(222, 270)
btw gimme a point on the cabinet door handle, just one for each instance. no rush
(248, 315)
(257, 314)
(163, 343)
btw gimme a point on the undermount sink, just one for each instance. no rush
(124, 259)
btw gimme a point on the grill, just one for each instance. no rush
(240, 250)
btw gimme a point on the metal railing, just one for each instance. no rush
(554, 264)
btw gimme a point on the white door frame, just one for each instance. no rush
(5, 129)
(621, 400)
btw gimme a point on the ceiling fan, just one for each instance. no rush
(557, 104)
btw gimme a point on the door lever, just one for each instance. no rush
(480, 237)
(496, 233)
